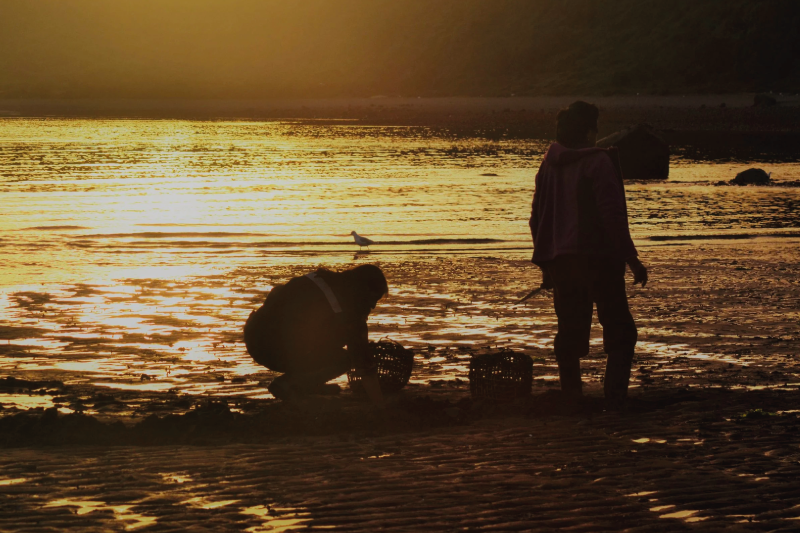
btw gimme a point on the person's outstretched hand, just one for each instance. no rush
(639, 271)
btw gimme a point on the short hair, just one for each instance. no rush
(574, 123)
(367, 277)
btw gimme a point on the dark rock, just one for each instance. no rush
(764, 100)
(643, 152)
(751, 176)
(12, 383)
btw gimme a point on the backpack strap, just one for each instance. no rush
(326, 290)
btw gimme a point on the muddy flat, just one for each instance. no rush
(709, 439)
(703, 461)
(134, 250)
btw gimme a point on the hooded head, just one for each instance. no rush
(367, 283)
(577, 125)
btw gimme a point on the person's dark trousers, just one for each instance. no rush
(579, 281)
(307, 373)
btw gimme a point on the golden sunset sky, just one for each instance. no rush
(296, 48)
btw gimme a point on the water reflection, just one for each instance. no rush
(134, 250)
(202, 502)
(278, 519)
(12, 481)
(170, 198)
(121, 513)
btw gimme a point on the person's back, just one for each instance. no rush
(295, 318)
(579, 206)
(579, 225)
(303, 326)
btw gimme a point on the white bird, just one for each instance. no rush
(361, 241)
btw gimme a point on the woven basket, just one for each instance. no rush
(394, 367)
(500, 376)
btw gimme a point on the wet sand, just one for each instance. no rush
(703, 461)
(709, 440)
(131, 405)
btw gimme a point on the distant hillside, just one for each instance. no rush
(323, 48)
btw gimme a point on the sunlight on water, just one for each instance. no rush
(13, 481)
(201, 502)
(133, 251)
(25, 401)
(280, 519)
(156, 199)
(121, 512)
(176, 478)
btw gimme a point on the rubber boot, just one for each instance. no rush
(618, 374)
(316, 381)
(283, 388)
(569, 375)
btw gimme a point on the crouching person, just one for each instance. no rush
(314, 329)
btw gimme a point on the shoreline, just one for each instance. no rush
(734, 333)
(516, 117)
(709, 442)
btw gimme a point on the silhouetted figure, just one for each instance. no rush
(579, 224)
(303, 327)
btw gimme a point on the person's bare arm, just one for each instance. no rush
(638, 269)
(365, 363)
(373, 389)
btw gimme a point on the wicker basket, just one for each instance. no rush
(500, 376)
(394, 367)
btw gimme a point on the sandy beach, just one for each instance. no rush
(128, 402)
(708, 442)
(166, 165)
(705, 463)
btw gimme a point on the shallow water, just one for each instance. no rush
(133, 249)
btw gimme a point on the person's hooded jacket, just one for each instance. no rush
(579, 206)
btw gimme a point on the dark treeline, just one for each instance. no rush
(326, 48)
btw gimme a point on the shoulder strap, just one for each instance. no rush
(326, 290)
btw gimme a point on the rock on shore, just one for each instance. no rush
(643, 152)
(752, 176)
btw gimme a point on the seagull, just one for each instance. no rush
(361, 241)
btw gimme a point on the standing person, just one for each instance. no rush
(581, 240)
(303, 327)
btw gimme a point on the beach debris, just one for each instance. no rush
(394, 367)
(643, 152)
(361, 241)
(500, 376)
(752, 176)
